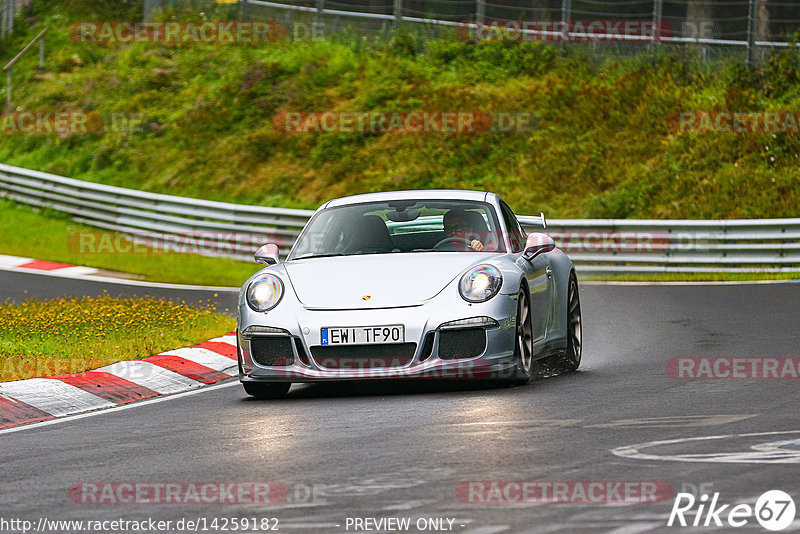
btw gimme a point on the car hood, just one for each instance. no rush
(376, 280)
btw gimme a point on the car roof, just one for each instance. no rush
(419, 194)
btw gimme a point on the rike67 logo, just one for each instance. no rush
(774, 510)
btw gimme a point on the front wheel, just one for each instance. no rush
(263, 390)
(523, 349)
(570, 360)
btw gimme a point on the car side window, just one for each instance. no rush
(515, 232)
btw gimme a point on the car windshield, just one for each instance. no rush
(401, 226)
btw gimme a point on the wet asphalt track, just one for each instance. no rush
(402, 449)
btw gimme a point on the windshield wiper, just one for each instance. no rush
(330, 255)
(424, 250)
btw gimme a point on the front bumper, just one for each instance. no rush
(303, 328)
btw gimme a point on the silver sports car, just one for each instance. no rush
(412, 284)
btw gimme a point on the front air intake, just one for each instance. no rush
(461, 343)
(272, 351)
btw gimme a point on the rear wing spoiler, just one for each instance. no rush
(533, 220)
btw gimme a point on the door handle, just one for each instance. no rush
(549, 272)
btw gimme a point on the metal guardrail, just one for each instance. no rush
(597, 246)
(630, 246)
(170, 222)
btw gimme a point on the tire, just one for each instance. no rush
(263, 390)
(570, 359)
(523, 350)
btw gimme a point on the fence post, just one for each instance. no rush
(288, 21)
(658, 6)
(150, 6)
(752, 14)
(10, 9)
(8, 88)
(41, 54)
(242, 9)
(566, 14)
(319, 20)
(480, 13)
(398, 13)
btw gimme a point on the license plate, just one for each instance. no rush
(362, 335)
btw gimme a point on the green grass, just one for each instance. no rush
(54, 237)
(602, 147)
(64, 336)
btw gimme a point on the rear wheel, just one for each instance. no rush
(262, 390)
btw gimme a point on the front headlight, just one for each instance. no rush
(480, 283)
(264, 292)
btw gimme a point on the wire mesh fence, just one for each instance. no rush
(713, 29)
(746, 29)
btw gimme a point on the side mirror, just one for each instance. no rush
(267, 254)
(537, 244)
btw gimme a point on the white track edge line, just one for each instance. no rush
(160, 398)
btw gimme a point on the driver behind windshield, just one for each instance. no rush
(457, 225)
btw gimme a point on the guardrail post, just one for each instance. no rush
(566, 14)
(41, 54)
(10, 10)
(752, 14)
(319, 20)
(398, 13)
(480, 13)
(242, 9)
